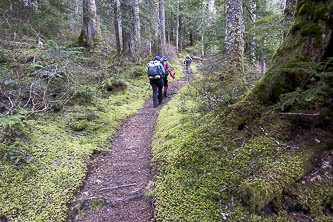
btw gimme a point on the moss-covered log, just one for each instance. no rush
(309, 39)
(259, 190)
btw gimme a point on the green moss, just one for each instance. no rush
(59, 145)
(4, 57)
(201, 171)
(306, 8)
(81, 39)
(320, 13)
(313, 29)
(84, 207)
(274, 178)
(308, 29)
(316, 196)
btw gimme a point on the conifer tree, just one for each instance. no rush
(88, 33)
(234, 37)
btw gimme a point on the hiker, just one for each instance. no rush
(168, 70)
(187, 62)
(156, 74)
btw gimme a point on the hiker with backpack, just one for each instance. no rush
(187, 62)
(168, 70)
(156, 74)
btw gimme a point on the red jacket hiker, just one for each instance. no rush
(168, 71)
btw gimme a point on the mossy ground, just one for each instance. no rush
(41, 190)
(208, 168)
(59, 145)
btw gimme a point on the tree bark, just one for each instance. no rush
(162, 26)
(203, 25)
(234, 39)
(212, 11)
(155, 29)
(127, 28)
(288, 14)
(118, 26)
(180, 32)
(177, 25)
(136, 20)
(130, 30)
(88, 33)
(254, 19)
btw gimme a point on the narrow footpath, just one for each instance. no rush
(114, 190)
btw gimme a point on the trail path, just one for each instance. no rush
(121, 176)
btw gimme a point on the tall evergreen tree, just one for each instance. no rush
(162, 25)
(118, 25)
(234, 37)
(177, 25)
(137, 26)
(88, 33)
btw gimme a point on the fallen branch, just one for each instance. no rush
(277, 142)
(301, 114)
(108, 189)
(110, 200)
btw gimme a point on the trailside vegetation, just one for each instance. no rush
(213, 164)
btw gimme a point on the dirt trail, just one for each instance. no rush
(114, 190)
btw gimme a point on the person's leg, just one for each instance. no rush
(160, 94)
(154, 86)
(166, 86)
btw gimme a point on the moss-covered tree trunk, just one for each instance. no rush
(309, 39)
(88, 33)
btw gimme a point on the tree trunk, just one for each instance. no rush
(212, 12)
(191, 38)
(136, 20)
(289, 14)
(234, 39)
(253, 41)
(177, 25)
(202, 26)
(309, 40)
(118, 26)
(155, 29)
(162, 25)
(128, 28)
(180, 33)
(88, 33)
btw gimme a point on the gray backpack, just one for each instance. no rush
(154, 68)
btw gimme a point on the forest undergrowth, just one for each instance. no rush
(220, 157)
(59, 105)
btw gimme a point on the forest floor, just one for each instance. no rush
(119, 179)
